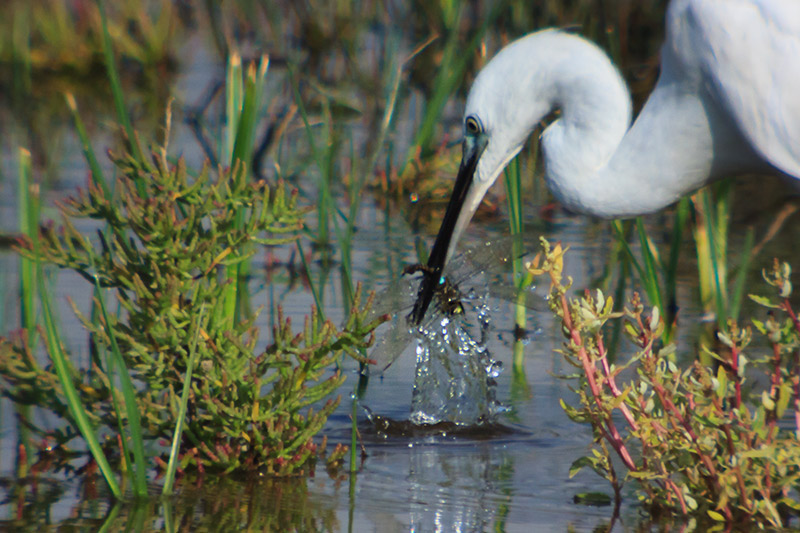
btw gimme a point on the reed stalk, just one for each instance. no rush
(322, 160)
(28, 221)
(28, 214)
(95, 171)
(243, 97)
(116, 364)
(456, 59)
(119, 97)
(61, 364)
(513, 182)
(172, 464)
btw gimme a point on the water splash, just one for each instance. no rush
(456, 376)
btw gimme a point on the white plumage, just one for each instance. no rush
(727, 102)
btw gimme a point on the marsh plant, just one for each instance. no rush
(168, 237)
(703, 440)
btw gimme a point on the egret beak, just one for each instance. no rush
(455, 218)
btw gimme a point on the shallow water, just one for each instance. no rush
(513, 476)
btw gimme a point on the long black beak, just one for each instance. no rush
(472, 148)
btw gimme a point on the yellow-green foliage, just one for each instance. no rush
(695, 440)
(167, 237)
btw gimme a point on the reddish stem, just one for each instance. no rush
(613, 435)
(612, 385)
(788, 308)
(796, 383)
(712, 479)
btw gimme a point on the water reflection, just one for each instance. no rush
(206, 504)
(450, 483)
(458, 491)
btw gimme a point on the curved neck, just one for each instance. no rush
(595, 116)
(680, 141)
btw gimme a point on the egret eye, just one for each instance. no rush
(472, 125)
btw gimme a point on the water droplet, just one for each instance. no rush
(455, 377)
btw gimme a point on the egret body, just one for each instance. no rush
(727, 101)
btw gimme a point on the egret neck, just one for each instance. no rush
(594, 164)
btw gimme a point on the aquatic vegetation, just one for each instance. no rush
(168, 235)
(65, 37)
(212, 504)
(704, 440)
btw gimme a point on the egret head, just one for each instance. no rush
(495, 127)
(523, 83)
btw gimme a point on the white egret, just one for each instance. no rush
(727, 101)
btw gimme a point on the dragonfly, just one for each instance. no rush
(461, 291)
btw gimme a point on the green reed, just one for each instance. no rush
(28, 214)
(344, 224)
(115, 365)
(95, 171)
(243, 95)
(172, 464)
(116, 90)
(514, 190)
(28, 221)
(456, 60)
(66, 378)
(31, 276)
(657, 276)
(322, 159)
(720, 292)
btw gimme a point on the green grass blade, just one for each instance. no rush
(126, 460)
(86, 146)
(28, 202)
(391, 101)
(28, 213)
(169, 520)
(248, 117)
(513, 182)
(111, 518)
(671, 272)
(243, 103)
(307, 269)
(456, 58)
(131, 405)
(324, 202)
(651, 281)
(353, 436)
(76, 409)
(719, 289)
(616, 225)
(741, 275)
(119, 97)
(172, 465)
(233, 103)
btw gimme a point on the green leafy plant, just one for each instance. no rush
(160, 255)
(700, 440)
